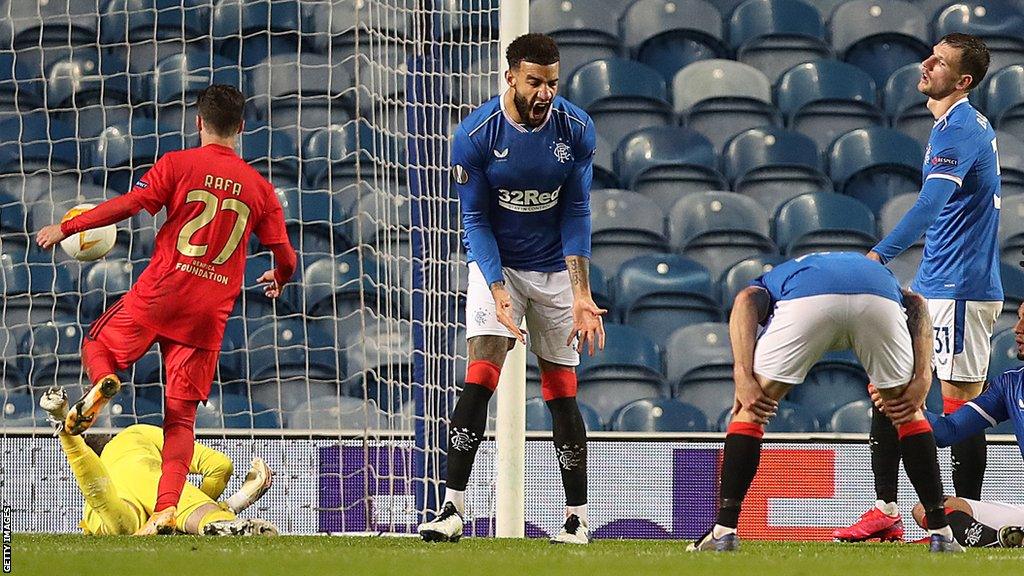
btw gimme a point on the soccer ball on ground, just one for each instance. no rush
(91, 244)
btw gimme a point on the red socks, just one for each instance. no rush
(483, 373)
(557, 383)
(179, 443)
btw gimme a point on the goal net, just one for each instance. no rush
(344, 384)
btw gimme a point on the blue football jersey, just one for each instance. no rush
(1004, 400)
(829, 273)
(961, 250)
(525, 193)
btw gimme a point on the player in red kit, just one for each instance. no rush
(214, 200)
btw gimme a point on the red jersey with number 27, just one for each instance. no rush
(214, 200)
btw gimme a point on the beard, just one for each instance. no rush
(524, 109)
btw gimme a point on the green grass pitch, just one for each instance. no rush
(73, 555)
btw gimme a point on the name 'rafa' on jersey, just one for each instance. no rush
(524, 184)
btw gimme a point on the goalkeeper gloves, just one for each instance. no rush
(257, 482)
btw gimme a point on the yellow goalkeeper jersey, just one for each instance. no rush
(133, 462)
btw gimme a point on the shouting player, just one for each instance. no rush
(810, 305)
(214, 200)
(118, 477)
(958, 211)
(522, 164)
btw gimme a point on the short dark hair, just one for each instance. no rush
(974, 57)
(533, 47)
(97, 441)
(221, 107)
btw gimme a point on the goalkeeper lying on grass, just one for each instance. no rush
(118, 475)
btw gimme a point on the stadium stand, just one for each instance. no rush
(788, 128)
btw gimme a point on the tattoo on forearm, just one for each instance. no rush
(579, 272)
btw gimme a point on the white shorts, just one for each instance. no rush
(802, 330)
(997, 514)
(963, 333)
(545, 298)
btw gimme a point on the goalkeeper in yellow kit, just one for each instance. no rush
(119, 475)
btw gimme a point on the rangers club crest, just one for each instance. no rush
(562, 151)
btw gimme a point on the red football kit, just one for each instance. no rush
(214, 200)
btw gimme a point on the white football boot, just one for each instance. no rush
(240, 527)
(446, 527)
(574, 531)
(55, 403)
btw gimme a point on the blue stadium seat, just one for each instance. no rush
(20, 411)
(155, 29)
(741, 274)
(773, 166)
(583, 30)
(624, 224)
(667, 162)
(600, 289)
(314, 221)
(1011, 164)
(721, 98)
(35, 291)
(380, 361)
(1000, 23)
(283, 85)
(875, 165)
(635, 357)
(604, 168)
(42, 145)
(1013, 295)
(240, 412)
(1004, 353)
(123, 153)
(904, 266)
(1004, 99)
(1011, 229)
(59, 22)
(177, 81)
(333, 288)
(285, 349)
(249, 31)
(127, 409)
(852, 418)
(879, 37)
(775, 35)
(825, 98)
(668, 35)
(659, 415)
(330, 155)
(20, 90)
(661, 292)
(51, 355)
(273, 153)
(824, 221)
(91, 90)
(104, 283)
(719, 229)
(791, 418)
(834, 380)
(621, 96)
(905, 104)
(336, 413)
(699, 354)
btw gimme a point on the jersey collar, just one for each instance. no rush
(517, 125)
(945, 116)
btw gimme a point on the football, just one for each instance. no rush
(91, 244)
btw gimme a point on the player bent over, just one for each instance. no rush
(214, 201)
(118, 477)
(522, 164)
(976, 522)
(810, 305)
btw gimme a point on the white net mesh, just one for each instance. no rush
(349, 108)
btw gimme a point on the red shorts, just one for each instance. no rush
(115, 341)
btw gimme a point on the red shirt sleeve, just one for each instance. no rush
(109, 212)
(156, 187)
